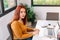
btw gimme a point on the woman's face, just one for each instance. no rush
(22, 13)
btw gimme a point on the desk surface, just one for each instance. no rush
(43, 31)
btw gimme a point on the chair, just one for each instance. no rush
(10, 31)
(52, 16)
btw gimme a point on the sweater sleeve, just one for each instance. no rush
(30, 29)
(18, 32)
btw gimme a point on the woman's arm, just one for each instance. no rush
(30, 29)
(18, 32)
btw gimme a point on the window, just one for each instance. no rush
(7, 6)
(45, 2)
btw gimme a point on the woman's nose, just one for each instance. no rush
(23, 13)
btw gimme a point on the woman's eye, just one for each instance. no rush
(24, 12)
(21, 11)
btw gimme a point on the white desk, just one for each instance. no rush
(43, 31)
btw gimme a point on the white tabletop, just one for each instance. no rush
(43, 31)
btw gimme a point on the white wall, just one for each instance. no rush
(4, 34)
(41, 11)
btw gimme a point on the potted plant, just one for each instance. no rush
(30, 14)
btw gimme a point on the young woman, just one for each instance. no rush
(18, 25)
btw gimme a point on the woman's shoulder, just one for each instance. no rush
(15, 22)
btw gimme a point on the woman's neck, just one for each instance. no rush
(20, 20)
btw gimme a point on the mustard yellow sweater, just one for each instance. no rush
(20, 30)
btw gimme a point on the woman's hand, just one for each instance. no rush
(36, 31)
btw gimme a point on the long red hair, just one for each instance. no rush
(17, 14)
